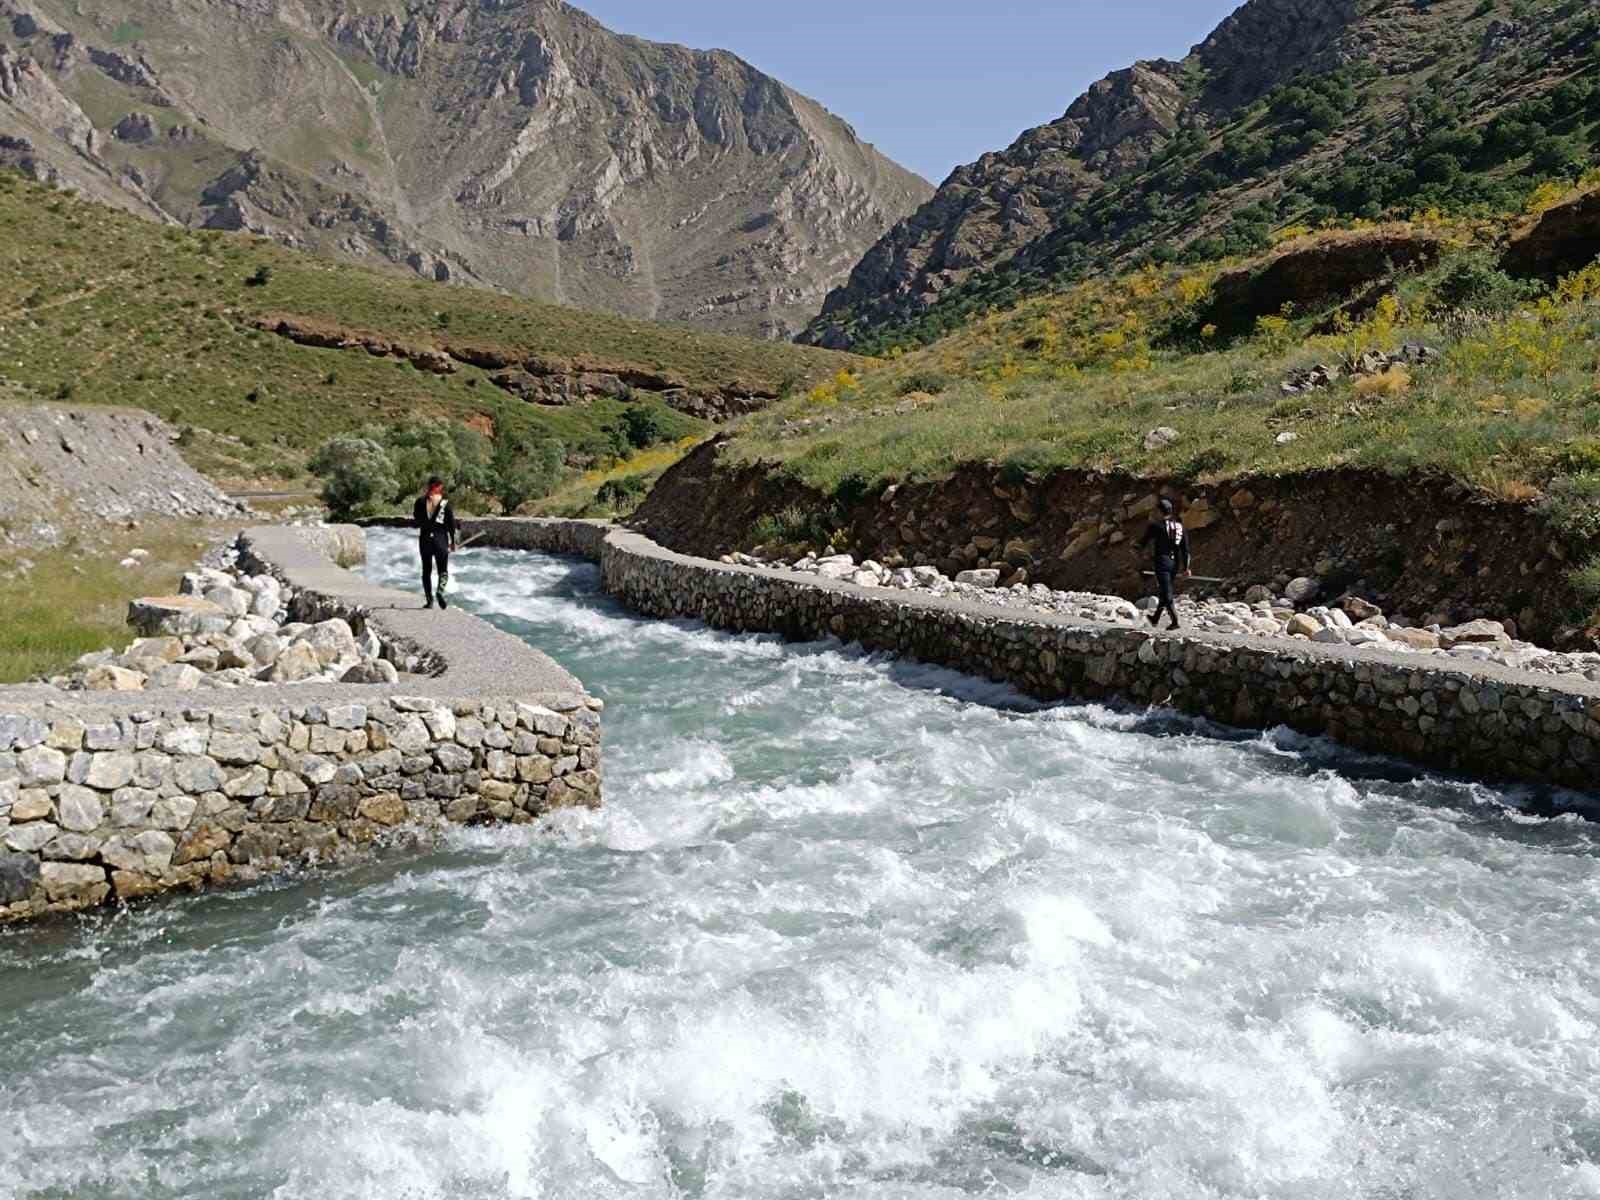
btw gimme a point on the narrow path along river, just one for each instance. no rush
(847, 928)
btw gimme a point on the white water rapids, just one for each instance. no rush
(846, 928)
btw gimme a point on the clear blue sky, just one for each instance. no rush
(931, 83)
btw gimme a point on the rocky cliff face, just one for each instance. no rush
(519, 145)
(1144, 158)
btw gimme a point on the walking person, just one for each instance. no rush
(1171, 546)
(435, 520)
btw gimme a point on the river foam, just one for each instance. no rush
(851, 928)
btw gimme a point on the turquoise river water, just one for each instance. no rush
(847, 928)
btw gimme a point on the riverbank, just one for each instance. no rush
(126, 794)
(1483, 720)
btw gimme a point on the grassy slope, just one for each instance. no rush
(1079, 380)
(75, 598)
(98, 307)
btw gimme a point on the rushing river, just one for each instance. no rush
(846, 928)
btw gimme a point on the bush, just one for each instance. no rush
(358, 477)
(262, 277)
(1475, 281)
(643, 427)
(526, 470)
(1573, 507)
(622, 496)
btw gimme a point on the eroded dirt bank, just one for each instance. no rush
(1424, 548)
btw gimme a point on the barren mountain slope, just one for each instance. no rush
(1292, 110)
(518, 145)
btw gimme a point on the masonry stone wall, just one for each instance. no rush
(1489, 722)
(124, 796)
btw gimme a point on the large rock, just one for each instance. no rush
(113, 679)
(176, 677)
(19, 877)
(1474, 633)
(1303, 590)
(74, 883)
(986, 578)
(332, 640)
(1562, 239)
(176, 616)
(298, 662)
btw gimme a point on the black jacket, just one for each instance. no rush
(1171, 542)
(440, 528)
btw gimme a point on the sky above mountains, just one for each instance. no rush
(931, 83)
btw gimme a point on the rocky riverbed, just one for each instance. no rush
(228, 628)
(1351, 621)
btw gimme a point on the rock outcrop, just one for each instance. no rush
(518, 145)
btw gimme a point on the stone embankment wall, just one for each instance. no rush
(121, 796)
(1490, 722)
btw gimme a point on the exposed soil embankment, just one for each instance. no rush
(1423, 548)
(538, 379)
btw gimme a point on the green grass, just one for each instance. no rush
(109, 309)
(1077, 381)
(127, 32)
(75, 600)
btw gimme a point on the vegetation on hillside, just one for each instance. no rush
(99, 307)
(1468, 132)
(1508, 404)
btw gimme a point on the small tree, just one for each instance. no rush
(358, 477)
(525, 470)
(643, 426)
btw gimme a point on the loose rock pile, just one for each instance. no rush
(228, 629)
(1263, 614)
(1373, 362)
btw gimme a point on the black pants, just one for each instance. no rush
(1167, 603)
(434, 554)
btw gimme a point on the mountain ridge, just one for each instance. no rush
(522, 146)
(1252, 131)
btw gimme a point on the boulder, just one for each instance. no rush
(1416, 639)
(19, 877)
(1358, 609)
(371, 671)
(1259, 594)
(1303, 590)
(74, 883)
(265, 649)
(231, 600)
(297, 663)
(331, 641)
(1474, 633)
(168, 649)
(175, 677)
(1160, 437)
(987, 578)
(176, 615)
(113, 679)
(1300, 625)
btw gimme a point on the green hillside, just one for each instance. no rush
(100, 307)
(1378, 109)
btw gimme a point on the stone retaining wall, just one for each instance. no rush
(1489, 722)
(122, 796)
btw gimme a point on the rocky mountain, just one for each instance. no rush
(1291, 111)
(516, 144)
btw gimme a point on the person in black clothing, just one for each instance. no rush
(1171, 545)
(436, 527)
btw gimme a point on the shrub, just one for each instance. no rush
(1573, 507)
(358, 478)
(622, 495)
(526, 470)
(1475, 281)
(643, 427)
(931, 382)
(262, 277)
